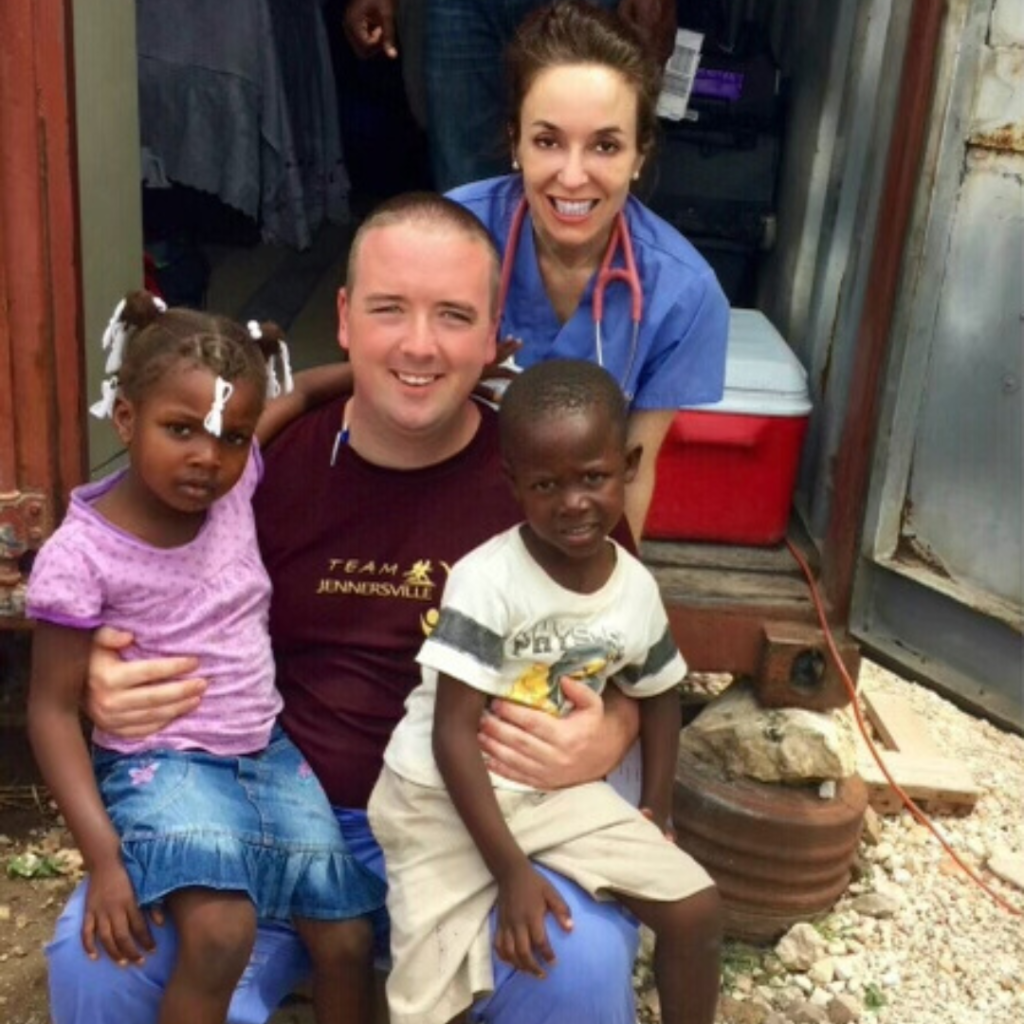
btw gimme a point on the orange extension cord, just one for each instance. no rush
(915, 811)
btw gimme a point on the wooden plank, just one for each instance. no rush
(714, 586)
(718, 556)
(938, 785)
(898, 725)
(755, 558)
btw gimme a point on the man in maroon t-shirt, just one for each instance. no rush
(364, 506)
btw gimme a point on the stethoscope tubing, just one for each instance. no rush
(607, 274)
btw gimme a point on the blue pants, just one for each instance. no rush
(464, 43)
(591, 981)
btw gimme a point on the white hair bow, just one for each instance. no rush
(222, 391)
(115, 335)
(275, 385)
(104, 408)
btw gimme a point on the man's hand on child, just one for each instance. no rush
(525, 897)
(137, 698)
(113, 919)
(539, 750)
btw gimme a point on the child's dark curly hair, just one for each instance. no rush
(158, 339)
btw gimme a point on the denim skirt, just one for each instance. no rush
(258, 824)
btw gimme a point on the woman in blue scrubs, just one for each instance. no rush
(583, 97)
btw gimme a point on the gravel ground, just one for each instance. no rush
(914, 940)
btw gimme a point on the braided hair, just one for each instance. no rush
(146, 339)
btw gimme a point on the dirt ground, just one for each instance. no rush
(32, 845)
(28, 905)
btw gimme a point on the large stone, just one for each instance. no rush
(877, 904)
(771, 744)
(737, 1011)
(801, 947)
(844, 1009)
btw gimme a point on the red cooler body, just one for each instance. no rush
(726, 471)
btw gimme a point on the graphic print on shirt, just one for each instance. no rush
(354, 576)
(578, 650)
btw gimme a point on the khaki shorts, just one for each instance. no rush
(440, 892)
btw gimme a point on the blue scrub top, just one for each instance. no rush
(680, 357)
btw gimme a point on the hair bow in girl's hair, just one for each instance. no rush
(222, 391)
(275, 385)
(104, 408)
(114, 338)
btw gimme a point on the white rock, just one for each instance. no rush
(887, 888)
(978, 847)
(771, 744)
(822, 971)
(847, 967)
(819, 997)
(801, 946)
(1008, 866)
(874, 904)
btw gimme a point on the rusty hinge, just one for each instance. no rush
(25, 521)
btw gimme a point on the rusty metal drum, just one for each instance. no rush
(778, 853)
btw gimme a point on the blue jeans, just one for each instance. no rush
(591, 981)
(467, 108)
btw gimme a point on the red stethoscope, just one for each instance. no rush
(606, 275)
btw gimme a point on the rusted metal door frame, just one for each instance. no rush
(42, 444)
(903, 164)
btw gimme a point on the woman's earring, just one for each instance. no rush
(515, 164)
(636, 175)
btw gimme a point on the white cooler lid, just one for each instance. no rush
(763, 376)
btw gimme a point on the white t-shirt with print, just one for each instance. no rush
(507, 629)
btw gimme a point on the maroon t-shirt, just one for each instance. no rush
(358, 556)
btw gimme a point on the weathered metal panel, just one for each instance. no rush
(963, 507)
(939, 589)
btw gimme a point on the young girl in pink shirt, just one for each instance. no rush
(216, 818)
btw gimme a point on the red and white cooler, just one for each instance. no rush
(727, 470)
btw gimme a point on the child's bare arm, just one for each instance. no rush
(525, 896)
(660, 722)
(59, 663)
(312, 387)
